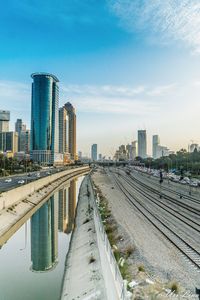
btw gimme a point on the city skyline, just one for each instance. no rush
(111, 68)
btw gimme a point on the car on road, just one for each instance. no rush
(194, 183)
(21, 181)
(8, 180)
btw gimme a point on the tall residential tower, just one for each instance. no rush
(72, 129)
(94, 152)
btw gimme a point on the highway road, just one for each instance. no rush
(10, 182)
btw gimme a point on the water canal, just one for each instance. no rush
(32, 261)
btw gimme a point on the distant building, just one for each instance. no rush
(155, 144)
(44, 119)
(9, 141)
(129, 152)
(94, 152)
(63, 130)
(133, 150)
(142, 143)
(19, 126)
(100, 156)
(72, 129)
(23, 136)
(193, 147)
(4, 120)
(80, 155)
(162, 151)
(24, 142)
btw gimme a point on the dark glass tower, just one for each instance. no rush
(44, 118)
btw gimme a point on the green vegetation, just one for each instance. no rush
(10, 166)
(110, 225)
(91, 259)
(182, 160)
(174, 287)
(141, 268)
(86, 221)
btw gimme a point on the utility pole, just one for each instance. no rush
(161, 181)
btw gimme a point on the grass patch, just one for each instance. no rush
(91, 259)
(86, 221)
(125, 271)
(128, 251)
(141, 268)
(174, 287)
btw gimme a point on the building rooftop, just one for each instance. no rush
(44, 74)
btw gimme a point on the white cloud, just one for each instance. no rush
(127, 100)
(131, 100)
(171, 19)
(13, 91)
(138, 100)
(104, 90)
(161, 90)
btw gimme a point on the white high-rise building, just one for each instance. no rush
(134, 149)
(155, 144)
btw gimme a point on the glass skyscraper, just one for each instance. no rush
(142, 143)
(94, 152)
(44, 118)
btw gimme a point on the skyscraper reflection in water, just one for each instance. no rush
(44, 236)
(71, 206)
(67, 207)
(62, 209)
(58, 213)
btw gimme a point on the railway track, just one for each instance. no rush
(158, 202)
(164, 188)
(176, 201)
(179, 242)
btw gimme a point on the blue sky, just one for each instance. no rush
(124, 64)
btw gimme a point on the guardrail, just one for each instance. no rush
(101, 234)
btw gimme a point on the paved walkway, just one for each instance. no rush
(83, 278)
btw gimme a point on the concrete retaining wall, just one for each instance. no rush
(114, 284)
(15, 195)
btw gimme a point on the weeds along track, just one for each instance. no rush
(163, 227)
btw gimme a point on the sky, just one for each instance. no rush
(124, 65)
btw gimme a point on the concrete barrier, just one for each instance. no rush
(114, 284)
(15, 195)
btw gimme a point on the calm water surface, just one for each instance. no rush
(32, 261)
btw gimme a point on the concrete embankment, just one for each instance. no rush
(19, 204)
(91, 270)
(83, 274)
